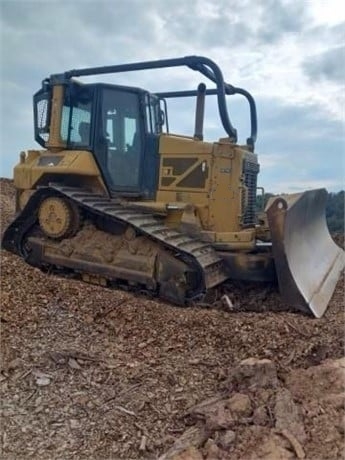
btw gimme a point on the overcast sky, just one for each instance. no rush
(289, 54)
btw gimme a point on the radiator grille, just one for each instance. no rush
(250, 172)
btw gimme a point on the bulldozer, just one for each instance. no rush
(117, 199)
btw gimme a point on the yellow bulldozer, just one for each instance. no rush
(118, 199)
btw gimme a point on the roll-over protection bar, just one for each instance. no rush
(201, 64)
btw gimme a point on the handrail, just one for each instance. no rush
(204, 65)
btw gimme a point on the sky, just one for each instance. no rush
(289, 54)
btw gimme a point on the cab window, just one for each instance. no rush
(122, 134)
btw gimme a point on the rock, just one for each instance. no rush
(191, 453)
(73, 364)
(39, 374)
(316, 382)
(219, 419)
(74, 423)
(226, 439)
(192, 437)
(263, 395)
(255, 373)
(206, 406)
(211, 450)
(335, 400)
(287, 415)
(42, 381)
(272, 449)
(240, 405)
(260, 416)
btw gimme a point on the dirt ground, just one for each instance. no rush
(93, 373)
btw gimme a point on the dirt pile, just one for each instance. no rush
(7, 202)
(92, 373)
(261, 416)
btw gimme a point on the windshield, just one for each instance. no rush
(121, 129)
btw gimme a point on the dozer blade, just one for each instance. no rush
(307, 261)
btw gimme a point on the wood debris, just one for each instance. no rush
(128, 375)
(295, 443)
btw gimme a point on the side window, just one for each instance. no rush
(149, 121)
(76, 117)
(110, 131)
(130, 133)
(80, 124)
(153, 123)
(65, 122)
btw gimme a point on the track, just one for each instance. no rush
(205, 267)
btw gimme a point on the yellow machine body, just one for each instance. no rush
(188, 225)
(198, 181)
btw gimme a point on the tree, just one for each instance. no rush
(335, 212)
(334, 209)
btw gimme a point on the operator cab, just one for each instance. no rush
(119, 125)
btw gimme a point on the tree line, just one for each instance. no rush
(334, 209)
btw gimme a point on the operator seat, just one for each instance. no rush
(84, 133)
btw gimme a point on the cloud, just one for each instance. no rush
(289, 17)
(329, 65)
(299, 146)
(288, 54)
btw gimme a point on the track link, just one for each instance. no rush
(197, 254)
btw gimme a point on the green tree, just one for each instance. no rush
(335, 212)
(334, 209)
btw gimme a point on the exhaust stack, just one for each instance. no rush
(200, 112)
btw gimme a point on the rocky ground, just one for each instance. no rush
(93, 373)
